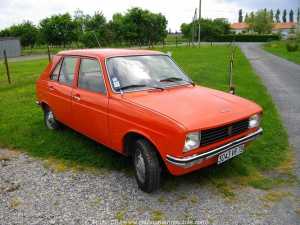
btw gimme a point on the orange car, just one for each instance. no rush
(141, 104)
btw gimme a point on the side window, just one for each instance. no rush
(90, 76)
(67, 70)
(55, 72)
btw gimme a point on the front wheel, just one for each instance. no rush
(50, 120)
(146, 166)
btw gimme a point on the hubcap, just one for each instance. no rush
(50, 119)
(140, 166)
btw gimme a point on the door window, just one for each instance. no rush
(90, 76)
(67, 70)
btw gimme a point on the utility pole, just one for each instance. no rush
(193, 31)
(199, 38)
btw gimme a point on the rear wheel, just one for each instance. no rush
(49, 119)
(146, 166)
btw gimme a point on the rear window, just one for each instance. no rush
(67, 70)
(55, 73)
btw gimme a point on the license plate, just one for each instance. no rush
(230, 154)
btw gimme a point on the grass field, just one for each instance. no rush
(21, 121)
(279, 49)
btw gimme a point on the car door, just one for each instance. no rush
(90, 101)
(60, 89)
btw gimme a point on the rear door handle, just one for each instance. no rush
(51, 88)
(76, 97)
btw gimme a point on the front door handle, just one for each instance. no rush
(76, 97)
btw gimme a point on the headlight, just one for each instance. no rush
(192, 141)
(254, 121)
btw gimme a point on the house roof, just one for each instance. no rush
(239, 26)
(280, 26)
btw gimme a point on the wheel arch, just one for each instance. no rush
(132, 136)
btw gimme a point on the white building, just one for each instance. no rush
(11, 45)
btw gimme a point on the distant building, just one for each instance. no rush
(238, 28)
(11, 45)
(284, 28)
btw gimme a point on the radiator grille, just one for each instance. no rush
(217, 134)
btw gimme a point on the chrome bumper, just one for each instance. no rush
(189, 161)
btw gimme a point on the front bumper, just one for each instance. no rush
(189, 161)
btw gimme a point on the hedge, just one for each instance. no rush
(247, 38)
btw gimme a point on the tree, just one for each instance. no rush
(272, 15)
(95, 30)
(58, 29)
(79, 23)
(240, 16)
(291, 16)
(277, 16)
(26, 31)
(186, 30)
(210, 29)
(262, 22)
(246, 18)
(141, 27)
(284, 16)
(298, 16)
(252, 15)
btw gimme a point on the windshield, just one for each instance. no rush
(143, 72)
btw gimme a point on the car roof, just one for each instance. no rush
(108, 52)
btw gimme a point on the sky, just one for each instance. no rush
(176, 11)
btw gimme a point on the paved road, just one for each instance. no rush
(282, 79)
(27, 58)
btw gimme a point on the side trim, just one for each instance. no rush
(184, 162)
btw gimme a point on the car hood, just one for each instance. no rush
(195, 107)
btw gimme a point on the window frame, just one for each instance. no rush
(102, 74)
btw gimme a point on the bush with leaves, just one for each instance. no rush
(291, 46)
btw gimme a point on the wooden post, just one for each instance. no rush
(231, 62)
(6, 66)
(49, 55)
(176, 40)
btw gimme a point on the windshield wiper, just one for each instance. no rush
(174, 79)
(139, 85)
(132, 86)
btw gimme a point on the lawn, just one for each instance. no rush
(21, 121)
(279, 48)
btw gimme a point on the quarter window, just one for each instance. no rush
(55, 73)
(90, 76)
(67, 70)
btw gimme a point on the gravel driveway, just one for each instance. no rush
(31, 192)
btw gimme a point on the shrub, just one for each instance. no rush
(248, 38)
(292, 46)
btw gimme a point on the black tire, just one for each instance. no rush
(49, 119)
(148, 179)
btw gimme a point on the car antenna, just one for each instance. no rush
(231, 61)
(96, 39)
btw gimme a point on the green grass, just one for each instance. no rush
(21, 121)
(279, 48)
